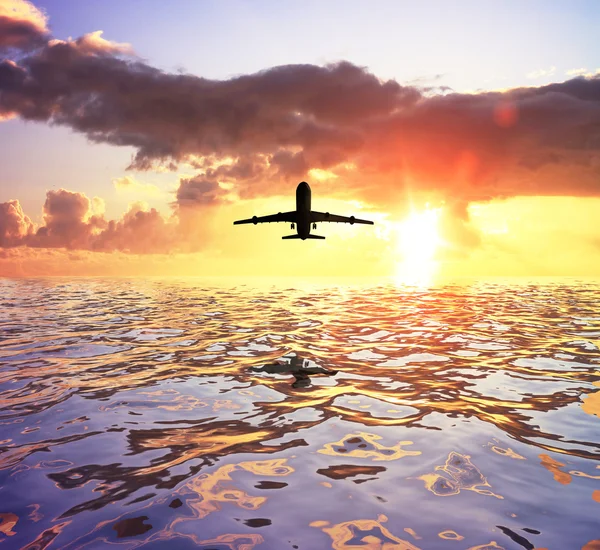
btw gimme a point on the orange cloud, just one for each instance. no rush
(15, 226)
(94, 43)
(198, 191)
(22, 25)
(139, 231)
(73, 221)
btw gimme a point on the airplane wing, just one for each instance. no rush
(327, 217)
(289, 217)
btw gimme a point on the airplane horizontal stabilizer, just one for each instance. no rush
(291, 237)
(315, 237)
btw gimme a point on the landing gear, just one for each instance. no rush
(314, 225)
(292, 226)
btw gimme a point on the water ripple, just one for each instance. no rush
(136, 412)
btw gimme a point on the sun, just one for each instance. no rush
(418, 242)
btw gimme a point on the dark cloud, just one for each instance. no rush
(169, 117)
(198, 191)
(289, 164)
(282, 122)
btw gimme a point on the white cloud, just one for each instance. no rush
(582, 72)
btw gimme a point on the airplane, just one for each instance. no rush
(303, 217)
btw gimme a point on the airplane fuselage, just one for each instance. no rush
(303, 221)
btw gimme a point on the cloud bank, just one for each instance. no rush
(283, 121)
(73, 221)
(259, 132)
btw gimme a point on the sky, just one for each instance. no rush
(132, 134)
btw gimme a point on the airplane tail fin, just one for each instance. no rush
(291, 237)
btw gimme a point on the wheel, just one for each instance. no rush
(314, 225)
(292, 226)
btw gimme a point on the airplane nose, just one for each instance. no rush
(303, 185)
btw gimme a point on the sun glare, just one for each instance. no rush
(418, 242)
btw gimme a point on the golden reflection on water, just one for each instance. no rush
(492, 545)
(450, 535)
(583, 474)
(365, 445)
(554, 466)
(121, 397)
(214, 489)
(206, 494)
(367, 533)
(591, 403)
(506, 452)
(413, 533)
(458, 473)
(7, 522)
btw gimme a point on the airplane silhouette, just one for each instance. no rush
(303, 217)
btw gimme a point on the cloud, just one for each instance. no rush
(74, 222)
(278, 124)
(93, 43)
(68, 221)
(576, 72)
(252, 135)
(130, 184)
(170, 117)
(14, 224)
(198, 191)
(22, 25)
(7, 116)
(582, 72)
(140, 231)
(541, 72)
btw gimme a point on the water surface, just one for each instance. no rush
(140, 414)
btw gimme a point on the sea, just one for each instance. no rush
(232, 414)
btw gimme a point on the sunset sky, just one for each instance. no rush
(132, 135)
